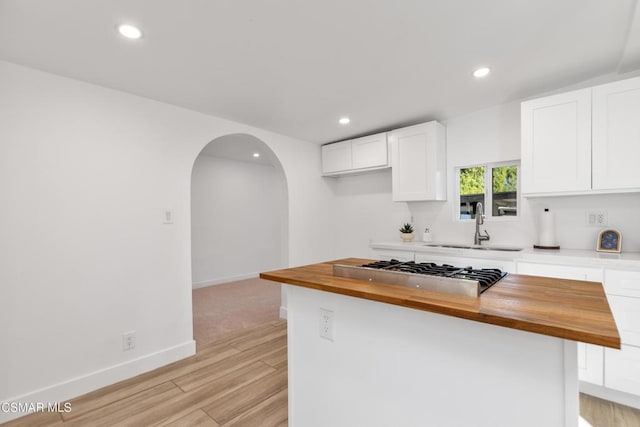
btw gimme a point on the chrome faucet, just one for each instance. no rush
(479, 221)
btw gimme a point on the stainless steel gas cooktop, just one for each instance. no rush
(425, 275)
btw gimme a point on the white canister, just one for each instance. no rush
(426, 236)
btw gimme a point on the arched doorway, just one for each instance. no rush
(239, 227)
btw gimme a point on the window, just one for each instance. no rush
(494, 185)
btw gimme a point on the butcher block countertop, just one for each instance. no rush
(571, 309)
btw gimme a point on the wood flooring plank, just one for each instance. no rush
(212, 371)
(271, 412)
(597, 412)
(197, 418)
(233, 404)
(215, 390)
(247, 343)
(37, 419)
(625, 416)
(276, 359)
(243, 334)
(116, 413)
(187, 402)
(123, 389)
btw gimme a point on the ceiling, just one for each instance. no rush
(295, 67)
(241, 147)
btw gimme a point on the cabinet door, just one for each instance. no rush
(623, 369)
(336, 157)
(616, 135)
(626, 311)
(418, 162)
(369, 151)
(556, 143)
(590, 357)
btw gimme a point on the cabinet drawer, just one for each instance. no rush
(622, 369)
(626, 311)
(504, 265)
(625, 283)
(560, 271)
(386, 255)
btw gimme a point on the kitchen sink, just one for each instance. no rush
(476, 247)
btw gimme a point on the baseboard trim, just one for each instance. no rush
(609, 394)
(283, 312)
(83, 384)
(212, 282)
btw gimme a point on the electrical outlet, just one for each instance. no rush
(597, 218)
(128, 340)
(326, 324)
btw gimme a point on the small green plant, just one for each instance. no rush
(407, 228)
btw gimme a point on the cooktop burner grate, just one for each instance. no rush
(486, 277)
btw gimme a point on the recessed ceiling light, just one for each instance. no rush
(344, 121)
(481, 72)
(129, 31)
(256, 154)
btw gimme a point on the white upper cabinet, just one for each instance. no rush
(581, 142)
(418, 162)
(616, 135)
(356, 155)
(370, 151)
(556, 143)
(336, 157)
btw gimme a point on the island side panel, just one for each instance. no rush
(390, 365)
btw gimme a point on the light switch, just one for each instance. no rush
(168, 217)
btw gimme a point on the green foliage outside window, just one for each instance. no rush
(505, 179)
(472, 181)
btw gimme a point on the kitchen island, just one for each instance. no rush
(405, 357)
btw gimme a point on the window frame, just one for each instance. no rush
(488, 191)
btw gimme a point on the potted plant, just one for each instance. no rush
(406, 232)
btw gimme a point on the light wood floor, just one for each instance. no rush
(602, 413)
(238, 380)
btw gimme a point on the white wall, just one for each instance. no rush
(485, 136)
(238, 211)
(363, 212)
(87, 174)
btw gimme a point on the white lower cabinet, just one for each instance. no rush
(590, 357)
(626, 311)
(561, 271)
(386, 255)
(504, 265)
(622, 369)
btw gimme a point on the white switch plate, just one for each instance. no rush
(326, 324)
(168, 217)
